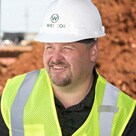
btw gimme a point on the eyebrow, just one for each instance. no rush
(58, 43)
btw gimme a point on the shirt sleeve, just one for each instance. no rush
(3, 128)
(131, 126)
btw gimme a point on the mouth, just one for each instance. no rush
(57, 68)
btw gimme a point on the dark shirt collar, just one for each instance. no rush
(86, 102)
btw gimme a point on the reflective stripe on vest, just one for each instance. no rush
(19, 103)
(108, 109)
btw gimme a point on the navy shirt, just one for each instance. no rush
(72, 118)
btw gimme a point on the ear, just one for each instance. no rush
(94, 53)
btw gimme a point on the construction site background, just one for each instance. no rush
(117, 59)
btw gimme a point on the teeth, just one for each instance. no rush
(57, 67)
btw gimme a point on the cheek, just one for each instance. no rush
(45, 60)
(83, 62)
(75, 63)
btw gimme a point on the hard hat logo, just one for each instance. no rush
(54, 18)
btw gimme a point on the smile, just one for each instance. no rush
(58, 67)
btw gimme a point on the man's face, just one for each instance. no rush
(68, 63)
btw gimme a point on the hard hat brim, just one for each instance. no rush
(63, 38)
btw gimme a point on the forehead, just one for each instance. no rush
(76, 44)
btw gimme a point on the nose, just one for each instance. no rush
(57, 56)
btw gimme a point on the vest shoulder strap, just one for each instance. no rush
(20, 102)
(115, 110)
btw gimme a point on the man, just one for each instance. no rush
(68, 97)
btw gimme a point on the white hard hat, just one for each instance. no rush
(70, 21)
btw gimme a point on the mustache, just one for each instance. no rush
(60, 63)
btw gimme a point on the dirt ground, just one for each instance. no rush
(117, 59)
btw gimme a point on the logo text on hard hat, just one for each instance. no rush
(55, 25)
(54, 18)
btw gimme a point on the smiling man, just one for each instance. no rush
(70, 67)
(68, 96)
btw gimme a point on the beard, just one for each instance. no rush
(60, 79)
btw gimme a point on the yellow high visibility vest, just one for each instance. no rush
(28, 108)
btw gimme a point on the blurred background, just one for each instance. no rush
(20, 21)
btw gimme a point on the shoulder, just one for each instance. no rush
(131, 126)
(14, 84)
(17, 80)
(126, 99)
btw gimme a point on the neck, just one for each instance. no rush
(71, 94)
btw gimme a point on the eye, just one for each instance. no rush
(48, 47)
(68, 47)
